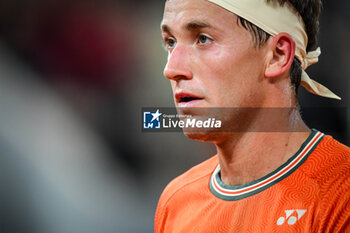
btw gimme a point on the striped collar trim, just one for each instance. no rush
(232, 193)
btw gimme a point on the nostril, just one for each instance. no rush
(176, 74)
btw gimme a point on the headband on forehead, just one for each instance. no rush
(274, 19)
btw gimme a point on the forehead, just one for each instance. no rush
(178, 12)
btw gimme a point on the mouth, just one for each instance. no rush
(183, 98)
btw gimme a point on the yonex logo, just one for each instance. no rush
(291, 219)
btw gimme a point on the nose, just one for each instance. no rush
(178, 65)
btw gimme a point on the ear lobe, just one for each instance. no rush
(282, 48)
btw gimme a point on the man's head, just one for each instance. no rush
(309, 10)
(210, 57)
(214, 61)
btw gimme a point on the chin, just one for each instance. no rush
(204, 136)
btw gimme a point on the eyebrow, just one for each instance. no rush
(165, 28)
(193, 25)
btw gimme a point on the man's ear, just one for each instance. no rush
(282, 48)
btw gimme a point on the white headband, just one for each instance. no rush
(274, 19)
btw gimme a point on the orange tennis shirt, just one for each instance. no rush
(309, 193)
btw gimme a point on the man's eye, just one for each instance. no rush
(202, 39)
(170, 43)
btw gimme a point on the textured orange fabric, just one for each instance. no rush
(313, 198)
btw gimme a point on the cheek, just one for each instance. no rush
(231, 75)
(236, 62)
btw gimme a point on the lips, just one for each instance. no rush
(186, 98)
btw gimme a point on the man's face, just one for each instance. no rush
(212, 61)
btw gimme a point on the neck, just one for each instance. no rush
(250, 155)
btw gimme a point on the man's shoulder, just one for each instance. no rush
(193, 175)
(329, 156)
(329, 167)
(329, 164)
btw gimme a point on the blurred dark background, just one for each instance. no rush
(74, 76)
